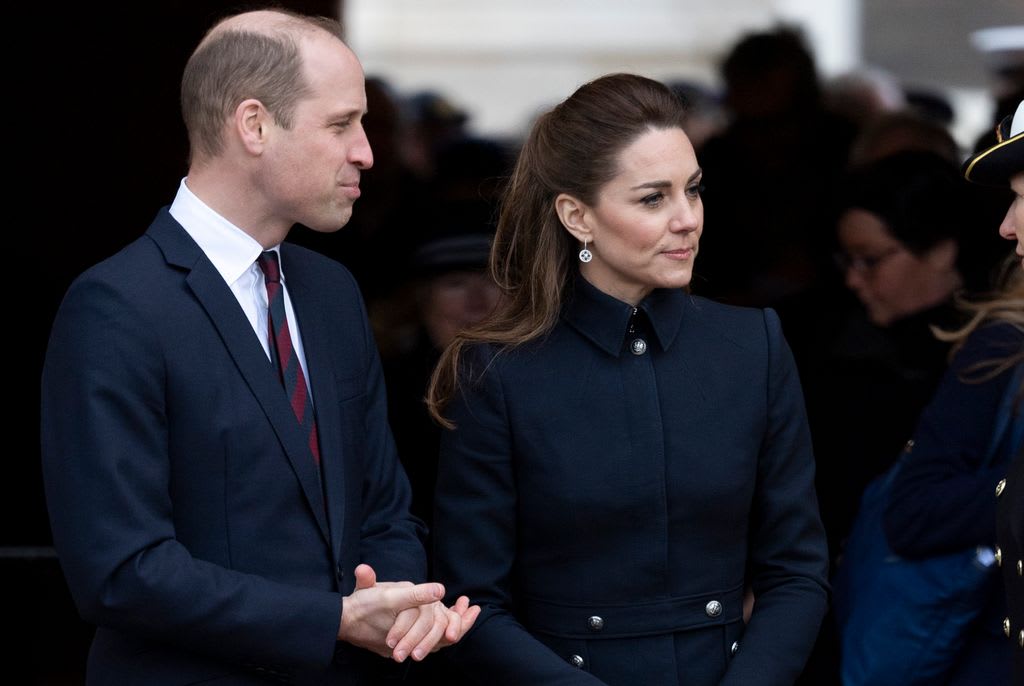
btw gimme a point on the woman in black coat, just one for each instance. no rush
(1000, 165)
(626, 462)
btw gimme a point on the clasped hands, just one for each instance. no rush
(397, 619)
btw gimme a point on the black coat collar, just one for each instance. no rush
(605, 320)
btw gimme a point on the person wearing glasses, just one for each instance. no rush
(904, 250)
(940, 500)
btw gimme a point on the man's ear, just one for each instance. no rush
(251, 124)
(572, 212)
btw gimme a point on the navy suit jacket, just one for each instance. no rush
(607, 503)
(186, 509)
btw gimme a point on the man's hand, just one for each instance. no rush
(394, 619)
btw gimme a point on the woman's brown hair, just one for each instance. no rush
(571, 149)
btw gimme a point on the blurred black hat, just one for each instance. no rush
(430, 107)
(458, 237)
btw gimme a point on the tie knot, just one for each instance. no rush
(269, 266)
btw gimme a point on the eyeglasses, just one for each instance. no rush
(863, 264)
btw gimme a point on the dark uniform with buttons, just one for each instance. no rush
(1010, 557)
(610, 491)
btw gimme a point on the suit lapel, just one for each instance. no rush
(235, 330)
(317, 346)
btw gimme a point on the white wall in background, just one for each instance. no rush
(504, 60)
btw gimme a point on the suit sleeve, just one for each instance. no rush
(475, 538)
(788, 558)
(107, 476)
(391, 539)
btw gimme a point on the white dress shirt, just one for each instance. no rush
(233, 253)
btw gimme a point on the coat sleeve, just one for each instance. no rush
(107, 475)
(941, 499)
(788, 558)
(475, 538)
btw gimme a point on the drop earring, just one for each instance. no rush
(585, 255)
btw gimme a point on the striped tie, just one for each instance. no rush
(283, 355)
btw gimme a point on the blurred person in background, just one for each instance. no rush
(785, 152)
(906, 247)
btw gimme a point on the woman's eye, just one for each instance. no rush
(652, 200)
(695, 190)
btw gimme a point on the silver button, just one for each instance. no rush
(1000, 487)
(734, 648)
(638, 346)
(999, 556)
(595, 623)
(576, 661)
(1006, 626)
(713, 608)
(1020, 567)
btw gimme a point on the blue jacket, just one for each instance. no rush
(186, 509)
(607, 502)
(942, 499)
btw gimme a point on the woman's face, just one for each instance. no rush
(644, 227)
(1012, 227)
(890, 280)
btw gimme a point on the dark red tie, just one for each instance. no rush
(283, 354)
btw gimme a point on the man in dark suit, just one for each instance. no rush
(222, 484)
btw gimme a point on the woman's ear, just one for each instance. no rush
(572, 212)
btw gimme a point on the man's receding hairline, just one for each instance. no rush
(268, 23)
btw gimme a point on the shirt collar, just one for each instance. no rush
(605, 320)
(231, 250)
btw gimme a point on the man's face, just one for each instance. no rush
(311, 171)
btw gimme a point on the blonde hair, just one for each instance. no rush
(1004, 304)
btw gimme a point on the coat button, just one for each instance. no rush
(1020, 638)
(1020, 567)
(999, 556)
(638, 346)
(1000, 487)
(734, 648)
(576, 661)
(713, 608)
(595, 623)
(1006, 626)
